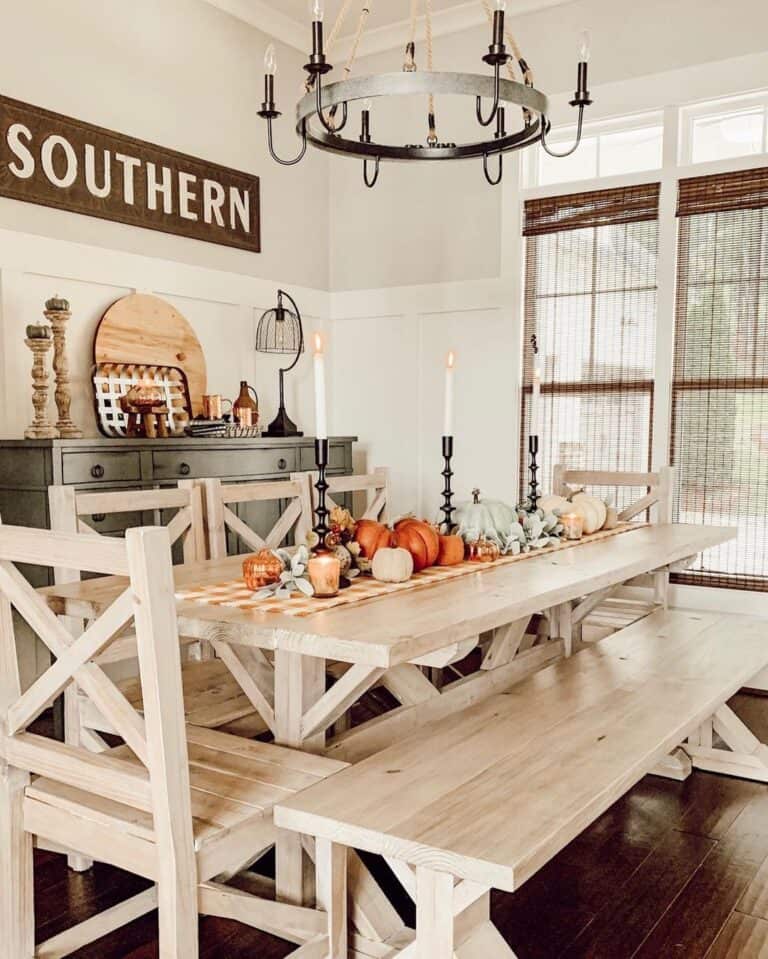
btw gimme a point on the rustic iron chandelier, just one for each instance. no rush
(323, 112)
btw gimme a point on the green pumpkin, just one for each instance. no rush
(490, 519)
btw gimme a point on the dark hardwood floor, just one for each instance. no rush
(671, 870)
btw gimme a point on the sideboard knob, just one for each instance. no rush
(185, 469)
(97, 471)
(282, 464)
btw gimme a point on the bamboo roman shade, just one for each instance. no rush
(720, 385)
(590, 300)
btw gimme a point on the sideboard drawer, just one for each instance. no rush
(99, 467)
(337, 458)
(21, 468)
(196, 464)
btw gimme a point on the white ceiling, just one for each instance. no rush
(288, 20)
(383, 12)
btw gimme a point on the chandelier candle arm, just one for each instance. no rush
(581, 99)
(501, 116)
(371, 179)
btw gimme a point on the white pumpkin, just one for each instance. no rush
(596, 511)
(392, 565)
(552, 503)
(612, 518)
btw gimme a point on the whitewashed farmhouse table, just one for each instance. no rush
(386, 640)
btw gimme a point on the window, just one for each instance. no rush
(590, 300)
(720, 385)
(608, 148)
(723, 129)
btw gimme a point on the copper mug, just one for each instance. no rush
(213, 406)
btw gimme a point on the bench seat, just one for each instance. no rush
(490, 794)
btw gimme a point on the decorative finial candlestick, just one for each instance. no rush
(533, 469)
(321, 511)
(58, 312)
(39, 341)
(447, 507)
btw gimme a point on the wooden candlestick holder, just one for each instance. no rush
(41, 427)
(58, 313)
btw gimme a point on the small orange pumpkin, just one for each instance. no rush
(451, 551)
(372, 536)
(420, 539)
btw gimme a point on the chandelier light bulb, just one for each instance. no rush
(501, 5)
(368, 105)
(585, 46)
(270, 61)
(317, 10)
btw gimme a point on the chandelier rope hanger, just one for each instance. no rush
(322, 113)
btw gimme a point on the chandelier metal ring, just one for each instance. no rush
(405, 84)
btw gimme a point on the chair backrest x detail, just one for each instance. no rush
(156, 778)
(220, 517)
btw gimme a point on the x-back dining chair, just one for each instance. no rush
(214, 698)
(220, 517)
(603, 613)
(177, 804)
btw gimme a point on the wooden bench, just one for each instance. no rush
(484, 798)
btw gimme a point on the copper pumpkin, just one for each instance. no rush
(262, 569)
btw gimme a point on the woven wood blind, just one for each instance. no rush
(720, 385)
(590, 299)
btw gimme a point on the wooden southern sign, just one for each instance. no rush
(56, 161)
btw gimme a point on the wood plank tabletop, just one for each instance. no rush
(532, 767)
(402, 626)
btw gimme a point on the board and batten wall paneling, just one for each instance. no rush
(390, 368)
(375, 363)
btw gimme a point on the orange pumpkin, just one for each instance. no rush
(451, 551)
(372, 536)
(420, 539)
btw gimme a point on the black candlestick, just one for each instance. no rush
(321, 461)
(533, 469)
(447, 507)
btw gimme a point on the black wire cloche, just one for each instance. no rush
(280, 330)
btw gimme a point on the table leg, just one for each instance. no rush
(299, 684)
(564, 621)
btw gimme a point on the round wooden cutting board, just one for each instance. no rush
(145, 329)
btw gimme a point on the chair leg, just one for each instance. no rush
(72, 724)
(17, 914)
(177, 917)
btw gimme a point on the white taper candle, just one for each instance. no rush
(321, 415)
(449, 377)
